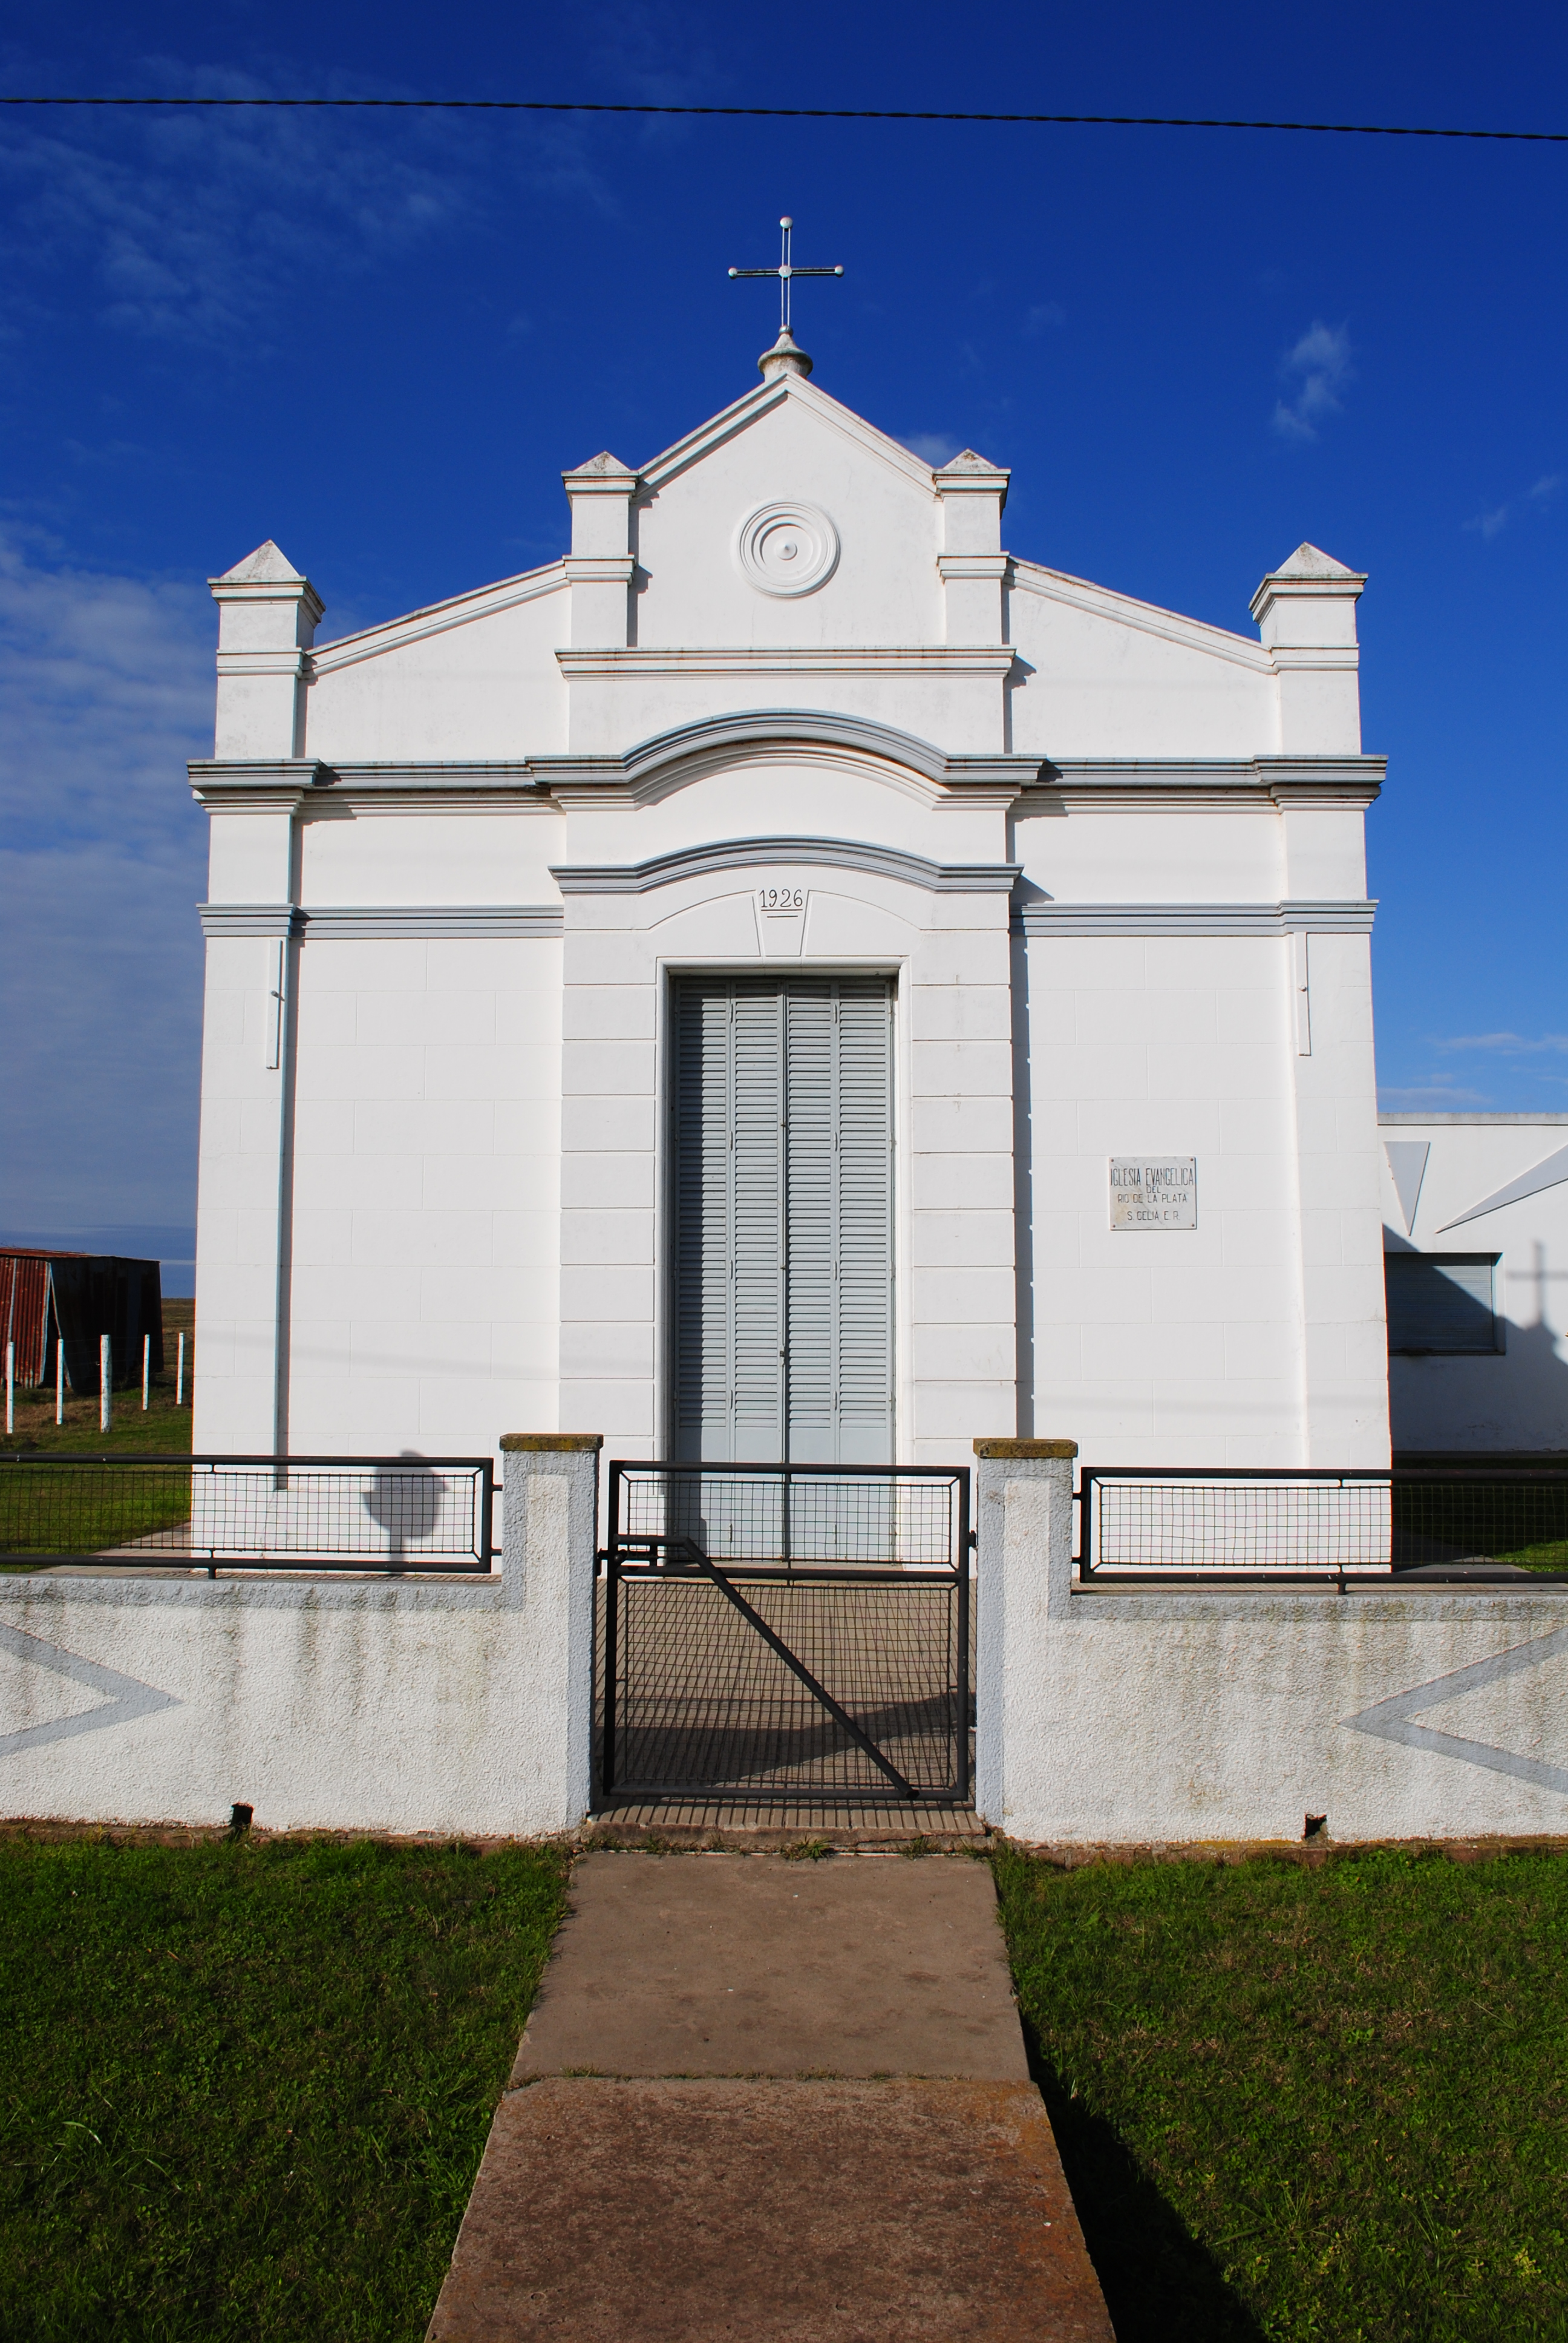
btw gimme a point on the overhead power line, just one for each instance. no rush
(830, 114)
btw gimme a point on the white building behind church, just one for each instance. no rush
(791, 978)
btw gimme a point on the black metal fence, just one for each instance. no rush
(784, 1633)
(1452, 1525)
(376, 1513)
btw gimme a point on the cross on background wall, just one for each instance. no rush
(786, 272)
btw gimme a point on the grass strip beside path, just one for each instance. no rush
(245, 2085)
(1326, 2103)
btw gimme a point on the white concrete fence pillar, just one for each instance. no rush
(549, 1524)
(1023, 1513)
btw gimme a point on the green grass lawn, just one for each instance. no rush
(67, 1512)
(1551, 1553)
(71, 1509)
(1326, 2103)
(245, 2087)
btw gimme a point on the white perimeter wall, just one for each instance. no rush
(1110, 1718)
(1119, 1717)
(326, 1704)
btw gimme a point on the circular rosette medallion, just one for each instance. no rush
(785, 548)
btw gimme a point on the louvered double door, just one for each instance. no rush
(782, 1220)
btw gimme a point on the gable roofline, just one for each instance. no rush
(723, 426)
(480, 602)
(1127, 611)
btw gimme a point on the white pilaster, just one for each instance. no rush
(1339, 1170)
(241, 1399)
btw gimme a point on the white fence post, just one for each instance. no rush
(59, 1380)
(1024, 1579)
(146, 1367)
(10, 1389)
(180, 1375)
(105, 1384)
(549, 1520)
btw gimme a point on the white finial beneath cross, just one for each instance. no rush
(785, 357)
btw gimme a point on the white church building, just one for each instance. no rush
(792, 978)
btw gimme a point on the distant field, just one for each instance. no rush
(164, 1430)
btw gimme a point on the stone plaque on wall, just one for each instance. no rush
(1151, 1191)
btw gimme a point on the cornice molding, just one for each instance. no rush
(289, 660)
(358, 922)
(295, 589)
(772, 853)
(1037, 787)
(972, 565)
(1335, 585)
(640, 662)
(1321, 658)
(1196, 784)
(1322, 780)
(598, 569)
(488, 774)
(1327, 918)
(220, 921)
(241, 785)
(256, 784)
(815, 727)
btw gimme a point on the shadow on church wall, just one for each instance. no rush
(1511, 1402)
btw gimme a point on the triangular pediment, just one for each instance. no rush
(767, 399)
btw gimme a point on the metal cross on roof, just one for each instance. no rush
(785, 273)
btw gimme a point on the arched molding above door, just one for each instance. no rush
(763, 853)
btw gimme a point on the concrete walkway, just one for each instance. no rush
(780, 2100)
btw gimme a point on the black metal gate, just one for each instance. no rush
(786, 1632)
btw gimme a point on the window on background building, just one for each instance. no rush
(1445, 1302)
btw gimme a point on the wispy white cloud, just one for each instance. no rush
(1430, 1098)
(1506, 1044)
(1043, 316)
(933, 447)
(197, 227)
(646, 47)
(1315, 373)
(107, 684)
(1540, 494)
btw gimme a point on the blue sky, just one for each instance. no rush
(379, 338)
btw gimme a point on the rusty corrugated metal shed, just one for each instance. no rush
(80, 1297)
(26, 1311)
